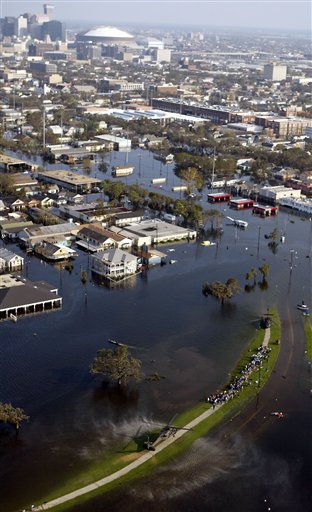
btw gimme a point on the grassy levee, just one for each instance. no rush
(232, 408)
(308, 335)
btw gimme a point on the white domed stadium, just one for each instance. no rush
(106, 34)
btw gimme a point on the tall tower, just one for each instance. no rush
(275, 72)
(48, 10)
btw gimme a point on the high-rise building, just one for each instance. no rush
(162, 55)
(8, 27)
(48, 10)
(21, 26)
(55, 29)
(275, 72)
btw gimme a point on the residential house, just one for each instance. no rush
(15, 204)
(12, 224)
(10, 262)
(151, 141)
(96, 238)
(114, 263)
(128, 217)
(54, 251)
(58, 198)
(32, 235)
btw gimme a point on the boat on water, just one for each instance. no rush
(172, 261)
(243, 224)
(114, 342)
(165, 159)
(207, 243)
(303, 307)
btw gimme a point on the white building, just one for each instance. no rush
(118, 142)
(302, 205)
(274, 72)
(20, 28)
(10, 262)
(114, 263)
(162, 55)
(153, 231)
(275, 194)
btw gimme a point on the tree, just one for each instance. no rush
(254, 273)
(192, 178)
(84, 276)
(273, 244)
(13, 415)
(114, 190)
(117, 365)
(103, 167)
(212, 215)
(222, 291)
(6, 184)
(264, 269)
(251, 274)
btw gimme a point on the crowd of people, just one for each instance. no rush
(238, 382)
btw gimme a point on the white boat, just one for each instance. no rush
(172, 261)
(207, 243)
(303, 307)
(114, 342)
(239, 223)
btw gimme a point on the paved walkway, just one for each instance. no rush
(144, 458)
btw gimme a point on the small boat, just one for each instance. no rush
(114, 342)
(207, 243)
(13, 317)
(277, 414)
(172, 261)
(303, 307)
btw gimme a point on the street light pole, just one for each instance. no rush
(259, 231)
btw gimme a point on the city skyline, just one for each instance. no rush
(277, 14)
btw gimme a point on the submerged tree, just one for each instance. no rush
(222, 291)
(251, 274)
(13, 415)
(264, 269)
(117, 365)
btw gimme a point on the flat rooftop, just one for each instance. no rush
(219, 194)
(241, 200)
(69, 177)
(8, 281)
(155, 227)
(6, 159)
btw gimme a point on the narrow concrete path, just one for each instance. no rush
(144, 458)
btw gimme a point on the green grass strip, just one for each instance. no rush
(116, 461)
(308, 335)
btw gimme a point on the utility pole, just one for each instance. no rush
(291, 260)
(22, 119)
(259, 230)
(44, 129)
(61, 128)
(213, 167)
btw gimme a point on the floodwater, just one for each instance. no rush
(188, 339)
(146, 167)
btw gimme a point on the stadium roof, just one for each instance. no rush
(108, 33)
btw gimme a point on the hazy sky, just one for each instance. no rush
(281, 14)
